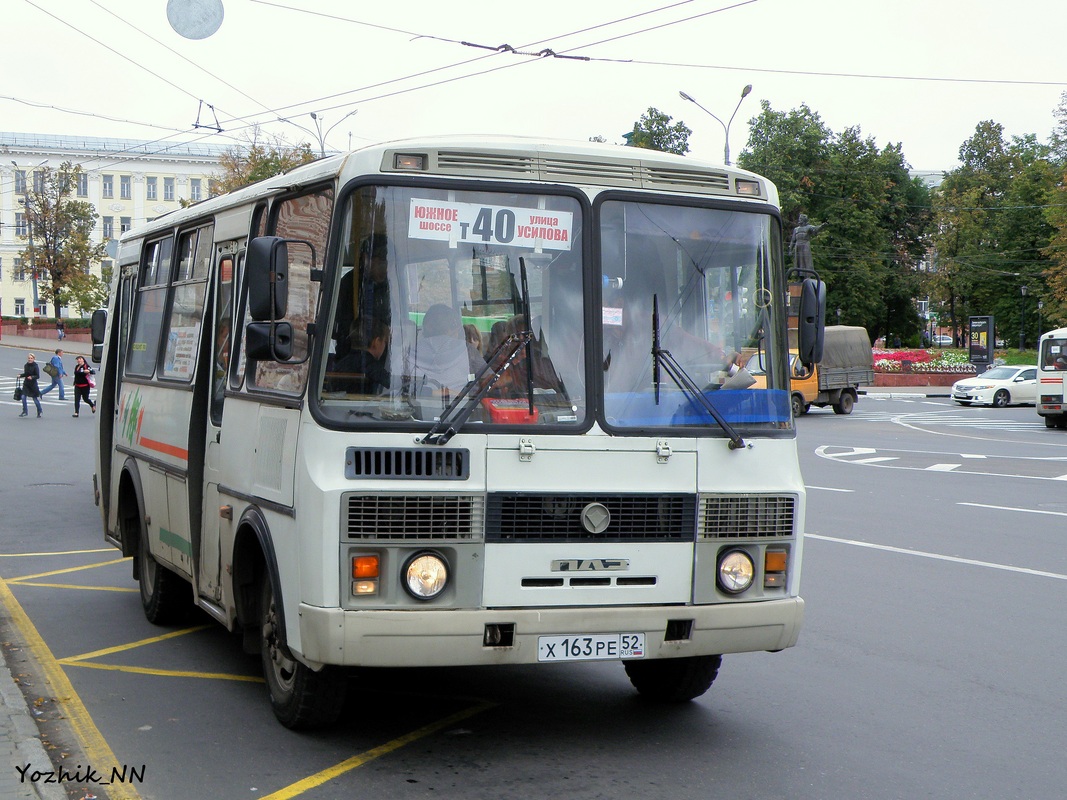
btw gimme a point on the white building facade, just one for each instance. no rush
(128, 182)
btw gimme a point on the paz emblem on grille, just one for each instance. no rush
(596, 518)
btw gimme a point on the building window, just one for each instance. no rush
(125, 223)
(168, 188)
(124, 187)
(194, 190)
(150, 188)
(20, 306)
(20, 181)
(109, 227)
(38, 181)
(108, 182)
(20, 270)
(83, 184)
(21, 228)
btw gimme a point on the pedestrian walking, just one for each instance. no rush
(54, 369)
(61, 330)
(83, 383)
(31, 374)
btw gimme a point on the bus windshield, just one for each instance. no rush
(432, 291)
(709, 272)
(430, 286)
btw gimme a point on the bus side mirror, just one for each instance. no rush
(267, 266)
(812, 323)
(98, 325)
(269, 341)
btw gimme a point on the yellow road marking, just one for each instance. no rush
(66, 571)
(298, 788)
(58, 553)
(93, 743)
(163, 673)
(134, 645)
(21, 582)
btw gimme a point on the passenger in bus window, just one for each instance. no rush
(441, 357)
(366, 366)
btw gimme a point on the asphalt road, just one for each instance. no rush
(930, 664)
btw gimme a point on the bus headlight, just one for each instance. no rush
(425, 575)
(736, 571)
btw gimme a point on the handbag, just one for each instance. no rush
(18, 390)
(50, 370)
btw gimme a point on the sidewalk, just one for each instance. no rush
(905, 392)
(20, 742)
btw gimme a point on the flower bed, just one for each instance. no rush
(920, 367)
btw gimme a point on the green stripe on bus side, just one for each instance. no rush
(171, 539)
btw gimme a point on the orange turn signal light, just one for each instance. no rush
(775, 561)
(364, 567)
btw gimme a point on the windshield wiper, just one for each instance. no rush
(487, 376)
(684, 382)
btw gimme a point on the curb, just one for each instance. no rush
(26, 738)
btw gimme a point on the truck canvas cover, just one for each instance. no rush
(846, 346)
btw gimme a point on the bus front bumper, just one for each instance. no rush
(422, 638)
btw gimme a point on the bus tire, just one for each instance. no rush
(164, 595)
(673, 680)
(300, 697)
(845, 403)
(1050, 422)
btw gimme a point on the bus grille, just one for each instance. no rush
(734, 517)
(436, 517)
(558, 518)
(395, 463)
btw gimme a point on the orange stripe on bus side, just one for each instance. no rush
(163, 447)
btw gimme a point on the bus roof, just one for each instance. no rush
(558, 162)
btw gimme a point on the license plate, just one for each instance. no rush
(591, 647)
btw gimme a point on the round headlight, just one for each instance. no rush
(736, 571)
(425, 576)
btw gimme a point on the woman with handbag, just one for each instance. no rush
(31, 373)
(83, 383)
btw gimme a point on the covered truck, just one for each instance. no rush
(846, 365)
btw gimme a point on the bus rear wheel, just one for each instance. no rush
(164, 595)
(673, 680)
(300, 697)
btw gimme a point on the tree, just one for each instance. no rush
(655, 132)
(59, 233)
(262, 157)
(994, 229)
(876, 215)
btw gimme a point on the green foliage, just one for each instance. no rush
(877, 218)
(655, 132)
(260, 158)
(995, 225)
(59, 236)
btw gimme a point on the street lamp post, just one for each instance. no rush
(725, 125)
(318, 132)
(1022, 317)
(33, 255)
(1040, 324)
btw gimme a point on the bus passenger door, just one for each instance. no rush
(210, 556)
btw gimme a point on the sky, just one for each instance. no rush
(922, 73)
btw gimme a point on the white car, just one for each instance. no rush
(943, 340)
(999, 387)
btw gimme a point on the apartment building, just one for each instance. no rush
(129, 182)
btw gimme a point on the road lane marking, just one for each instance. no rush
(319, 778)
(122, 648)
(66, 571)
(164, 673)
(1013, 508)
(942, 467)
(93, 744)
(939, 557)
(57, 553)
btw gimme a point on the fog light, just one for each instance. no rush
(736, 571)
(364, 587)
(425, 576)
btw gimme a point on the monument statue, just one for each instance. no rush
(800, 243)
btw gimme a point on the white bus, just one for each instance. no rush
(462, 402)
(1051, 378)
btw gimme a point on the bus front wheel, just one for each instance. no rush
(673, 680)
(300, 697)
